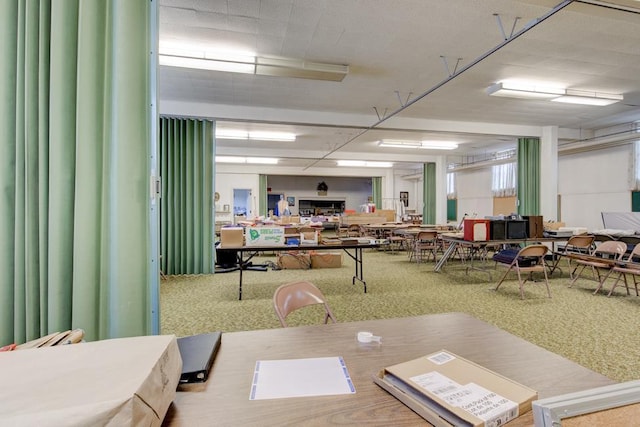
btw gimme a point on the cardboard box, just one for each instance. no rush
(294, 261)
(123, 382)
(553, 225)
(447, 390)
(231, 237)
(264, 236)
(326, 260)
(476, 229)
(309, 237)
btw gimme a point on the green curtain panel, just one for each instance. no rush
(75, 125)
(528, 176)
(376, 190)
(262, 196)
(186, 208)
(429, 193)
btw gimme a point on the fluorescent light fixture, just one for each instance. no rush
(231, 134)
(571, 96)
(230, 159)
(262, 160)
(521, 90)
(439, 145)
(206, 64)
(588, 98)
(392, 143)
(259, 135)
(363, 163)
(251, 64)
(250, 160)
(429, 145)
(272, 136)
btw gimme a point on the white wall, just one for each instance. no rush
(592, 182)
(225, 183)
(474, 192)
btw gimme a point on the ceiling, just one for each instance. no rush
(418, 69)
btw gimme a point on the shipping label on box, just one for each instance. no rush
(264, 236)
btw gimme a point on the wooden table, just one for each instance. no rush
(354, 251)
(224, 398)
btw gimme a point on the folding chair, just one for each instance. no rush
(604, 258)
(630, 266)
(529, 259)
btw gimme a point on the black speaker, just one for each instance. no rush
(516, 229)
(498, 229)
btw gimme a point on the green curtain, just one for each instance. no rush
(75, 126)
(187, 207)
(376, 190)
(429, 193)
(262, 196)
(528, 176)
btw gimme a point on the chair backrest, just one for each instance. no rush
(635, 254)
(426, 236)
(611, 247)
(533, 251)
(293, 296)
(580, 243)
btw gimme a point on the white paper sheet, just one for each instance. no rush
(323, 376)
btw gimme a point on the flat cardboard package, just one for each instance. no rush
(231, 237)
(294, 261)
(326, 260)
(447, 390)
(119, 382)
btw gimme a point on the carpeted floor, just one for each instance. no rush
(595, 331)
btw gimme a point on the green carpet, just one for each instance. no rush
(595, 331)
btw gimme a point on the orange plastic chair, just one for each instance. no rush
(296, 295)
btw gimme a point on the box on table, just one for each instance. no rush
(264, 236)
(551, 225)
(448, 390)
(123, 382)
(476, 229)
(231, 237)
(326, 260)
(294, 261)
(309, 237)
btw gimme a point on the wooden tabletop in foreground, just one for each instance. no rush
(224, 398)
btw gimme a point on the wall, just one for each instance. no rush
(588, 183)
(592, 182)
(353, 190)
(224, 185)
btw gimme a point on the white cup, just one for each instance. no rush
(367, 337)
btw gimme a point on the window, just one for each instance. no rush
(504, 180)
(451, 186)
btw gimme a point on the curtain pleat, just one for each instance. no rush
(75, 122)
(429, 193)
(186, 212)
(529, 176)
(263, 195)
(376, 190)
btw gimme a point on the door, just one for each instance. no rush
(242, 202)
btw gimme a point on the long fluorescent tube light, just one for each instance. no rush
(258, 135)
(513, 90)
(363, 163)
(247, 64)
(250, 160)
(572, 96)
(588, 98)
(429, 145)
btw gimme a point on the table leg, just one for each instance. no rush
(357, 258)
(450, 250)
